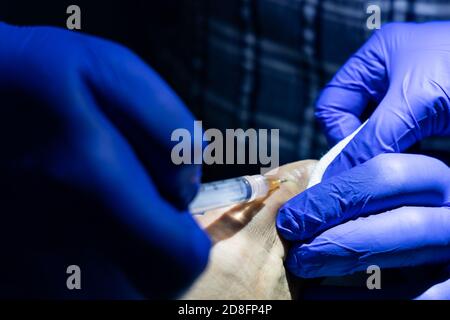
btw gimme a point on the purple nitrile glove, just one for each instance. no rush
(86, 172)
(405, 68)
(392, 211)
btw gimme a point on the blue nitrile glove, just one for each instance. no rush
(405, 69)
(399, 207)
(86, 173)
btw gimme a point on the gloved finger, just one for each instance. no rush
(134, 226)
(440, 291)
(404, 237)
(403, 118)
(382, 183)
(361, 79)
(148, 233)
(147, 112)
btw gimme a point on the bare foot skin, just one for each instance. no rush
(246, 260)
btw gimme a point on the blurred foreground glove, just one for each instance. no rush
(399, 207)
(405, 69)
(87, 177)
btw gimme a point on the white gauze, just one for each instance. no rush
(326, 160)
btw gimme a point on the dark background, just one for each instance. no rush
(191, 42)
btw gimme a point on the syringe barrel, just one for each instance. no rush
(224, 193)
(260, 186)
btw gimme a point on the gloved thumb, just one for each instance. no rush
(388, 130)
(362, 79)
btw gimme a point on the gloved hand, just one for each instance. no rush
(391, 211)
(404, 68)
(87, 177)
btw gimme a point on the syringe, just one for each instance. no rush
(224, 193)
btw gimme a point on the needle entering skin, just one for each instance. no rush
(276, 183)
